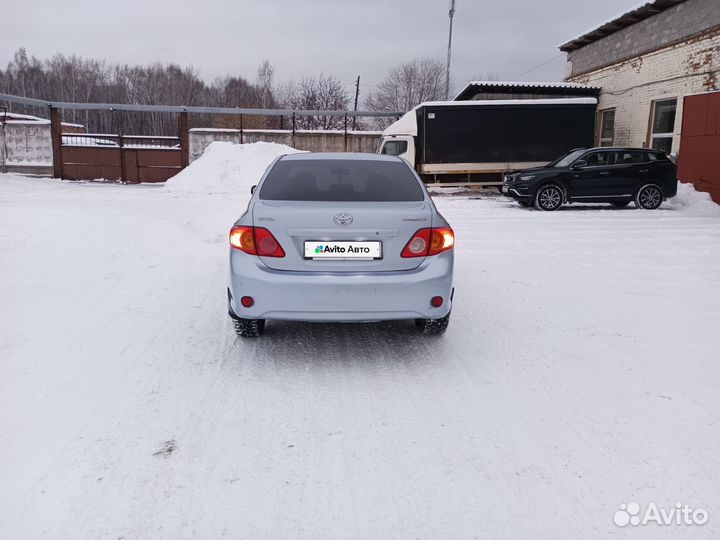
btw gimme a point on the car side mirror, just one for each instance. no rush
(579, 164)
(252, 189)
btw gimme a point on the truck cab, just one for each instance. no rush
(398, 145)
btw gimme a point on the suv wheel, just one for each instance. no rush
(649, 197)
(249, 328)
(433, 327)
(549, 198)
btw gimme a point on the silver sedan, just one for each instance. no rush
(342, 238)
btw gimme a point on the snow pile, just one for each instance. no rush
(225, 167)
(693, 202)
(447, 190)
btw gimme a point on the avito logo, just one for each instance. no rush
(341, 249)
(681, 514)
(329, 249)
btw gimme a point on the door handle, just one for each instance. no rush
(643, 170)
(604, 173)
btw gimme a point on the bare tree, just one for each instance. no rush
(407, 85)
(73, 78)
(264, 85)
(321, 93)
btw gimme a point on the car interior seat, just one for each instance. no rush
(303, 184)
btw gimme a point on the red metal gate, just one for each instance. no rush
(700, 143)
(131, 159)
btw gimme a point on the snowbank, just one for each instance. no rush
(447, 190)
(225, 167)
(691, 201)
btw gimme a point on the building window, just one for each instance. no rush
(663, 124)
(607, 127)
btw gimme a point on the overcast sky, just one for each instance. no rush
(341, 37)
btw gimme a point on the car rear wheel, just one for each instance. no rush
(433, 327)
(620, 204)
(249, 328)
(649, 197)
(549, 198)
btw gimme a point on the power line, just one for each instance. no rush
(539, 65)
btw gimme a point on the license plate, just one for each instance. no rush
(505, 189)
(343, 250)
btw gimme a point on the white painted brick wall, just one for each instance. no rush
(26, 143)
(632, 86)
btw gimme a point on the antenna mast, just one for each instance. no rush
(451, 13)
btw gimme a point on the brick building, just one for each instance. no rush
(646, 60)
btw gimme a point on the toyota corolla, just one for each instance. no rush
(340, 238)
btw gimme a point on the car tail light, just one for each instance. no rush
(436, 301)
(267, 245)
(247, 301)
(243, 238)
(255, 241)
(429, 242)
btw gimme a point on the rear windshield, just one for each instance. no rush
(340, 180)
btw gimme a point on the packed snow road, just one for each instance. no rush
(580, 371)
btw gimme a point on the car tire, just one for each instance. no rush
(649, 197)
(622, 204)
(249, 328)
(433, 327)
(549, 198)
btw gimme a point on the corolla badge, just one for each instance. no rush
(343, 220)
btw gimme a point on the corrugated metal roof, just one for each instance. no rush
(623, 20)
(530, 84)
(474, 87)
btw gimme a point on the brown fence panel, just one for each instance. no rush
(90, 172)
(158, 165)
(130, 159)
(130, 170)
(88, 163)
(699, 143)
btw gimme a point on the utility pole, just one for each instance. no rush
(3, 150)
(357, 93)
(451, 13)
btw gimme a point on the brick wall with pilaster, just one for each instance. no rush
(632, 86)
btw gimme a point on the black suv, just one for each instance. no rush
(610, 175)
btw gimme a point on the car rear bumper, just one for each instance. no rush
(340, 296)
(670, 189)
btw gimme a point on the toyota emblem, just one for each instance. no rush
(343, 220)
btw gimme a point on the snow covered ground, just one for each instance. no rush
(581, 371)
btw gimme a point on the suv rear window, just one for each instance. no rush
(341, 180)
(656, 156)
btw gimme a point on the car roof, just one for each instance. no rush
(357, 156)
(625, 148)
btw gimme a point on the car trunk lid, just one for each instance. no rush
(293, 223)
